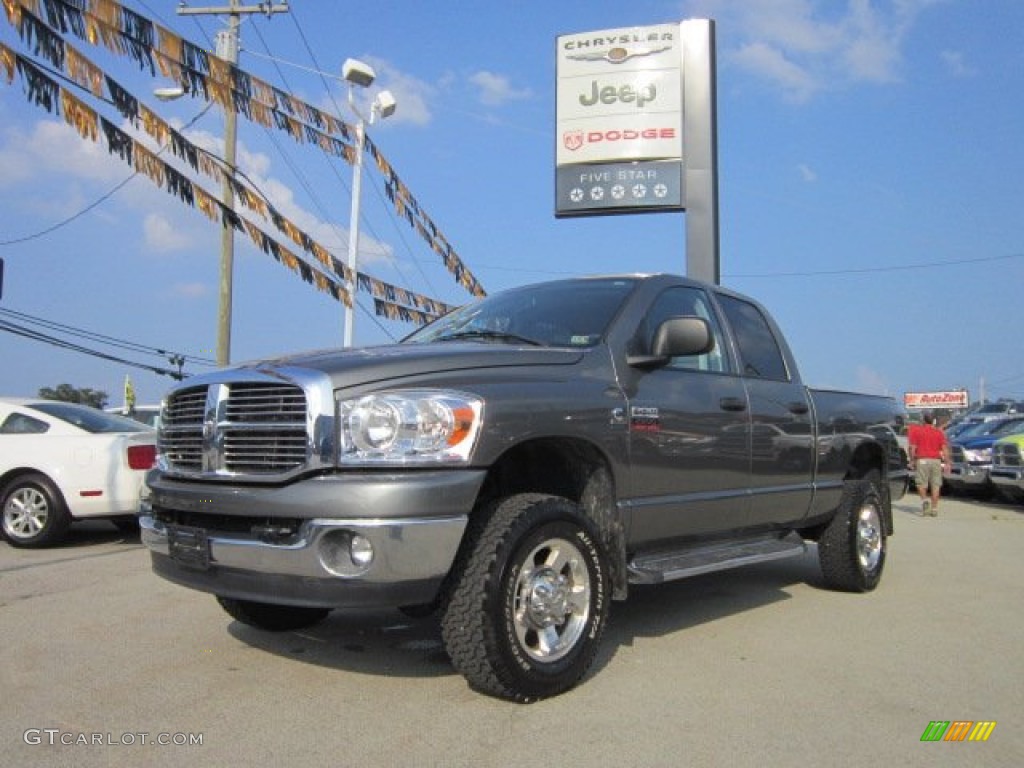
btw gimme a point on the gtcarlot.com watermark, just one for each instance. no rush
(56, 737)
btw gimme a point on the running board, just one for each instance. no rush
(657, 567)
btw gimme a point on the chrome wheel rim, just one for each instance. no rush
(869, 537)
(25, 513)
(552, 600)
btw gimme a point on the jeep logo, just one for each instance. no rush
(624, 93)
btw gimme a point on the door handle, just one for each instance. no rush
(732, 404)
(798, 407)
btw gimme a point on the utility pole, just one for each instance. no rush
(227, 49)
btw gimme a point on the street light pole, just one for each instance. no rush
(359, 73)
(353, 229)
(227, 49)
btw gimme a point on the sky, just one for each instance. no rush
(870, 186)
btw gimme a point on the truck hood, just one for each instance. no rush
(349, 367)
(974, 443)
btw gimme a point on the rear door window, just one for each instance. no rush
(759, 349)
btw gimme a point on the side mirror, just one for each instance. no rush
(676, 337)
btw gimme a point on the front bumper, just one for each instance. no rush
(1007, 476)
(968, 475)
(414, 522)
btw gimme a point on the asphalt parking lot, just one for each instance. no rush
(105, 664)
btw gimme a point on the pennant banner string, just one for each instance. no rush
(47, 93)
(126, 32)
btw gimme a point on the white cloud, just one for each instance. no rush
(804, 47)
(496, 90)
(412, 95)
(162, 235)
(807, 173)
(760, 59)
(190, 290)
(871, 381)
(957, 65)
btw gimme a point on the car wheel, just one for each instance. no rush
(34, 512)
(525, 615)
(853, 546)
(272, 617)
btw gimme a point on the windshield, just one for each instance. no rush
(89, 419)
(1010, 427)
(980, 429)
(566, 313)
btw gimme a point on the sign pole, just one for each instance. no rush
(700, 150)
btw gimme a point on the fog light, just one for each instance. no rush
(345, 553)
(361, 550)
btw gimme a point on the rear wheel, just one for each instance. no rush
(853, 546)
(34, 512)
(528, 609)
(272, 617)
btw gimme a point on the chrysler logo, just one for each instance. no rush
(617, 55)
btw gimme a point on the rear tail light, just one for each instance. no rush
(141, 456)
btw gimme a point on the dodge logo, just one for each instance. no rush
(573, 140)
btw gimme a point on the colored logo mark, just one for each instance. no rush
(958, 730)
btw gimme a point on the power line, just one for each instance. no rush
(82, 333)
(28, 333)
(871, 270)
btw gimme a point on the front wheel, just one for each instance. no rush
(853, 546)
(271, 617)
(528, 609)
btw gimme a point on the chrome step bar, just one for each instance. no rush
(657, 567)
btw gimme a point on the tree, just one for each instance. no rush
(97, 398)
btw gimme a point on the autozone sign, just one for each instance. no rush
(950, 398)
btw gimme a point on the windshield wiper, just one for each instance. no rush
(483, 334)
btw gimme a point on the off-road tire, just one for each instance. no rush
(33, 512)
(528, 607)
(271, 617)
(853, 546)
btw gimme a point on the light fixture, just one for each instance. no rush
(169, 93)
(358, 73)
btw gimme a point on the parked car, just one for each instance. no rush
(1007, 473)
(971, 454)
(61, 462)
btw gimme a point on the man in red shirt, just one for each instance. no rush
(929, 449)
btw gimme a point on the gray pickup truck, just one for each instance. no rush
(515, 466)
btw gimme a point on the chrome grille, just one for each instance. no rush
(1007, 455)
(180, 439)
(238, 428)
(264, 428)
(957, 453)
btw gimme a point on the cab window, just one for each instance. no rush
(760, 356)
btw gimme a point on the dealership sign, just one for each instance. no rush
(953, 398)
(619, 121)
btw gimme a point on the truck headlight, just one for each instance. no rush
(409, 427)
(978, 456)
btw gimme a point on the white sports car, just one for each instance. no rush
(61, 462)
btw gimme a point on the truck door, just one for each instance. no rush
(782, 427)
(689, 433)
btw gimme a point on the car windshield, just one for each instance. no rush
(980, 429)
(86, 418)
(1009, 427)
(566, 313)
